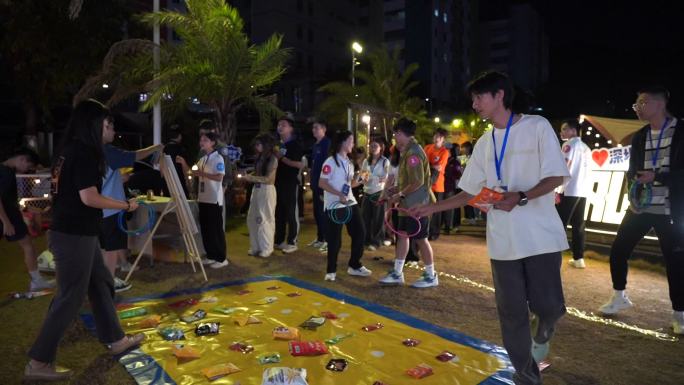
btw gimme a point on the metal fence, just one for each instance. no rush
(33, 191)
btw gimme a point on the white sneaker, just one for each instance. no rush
(392, 278)
(361, 271)
(121, 285)
(41, 284)
(218, 265)
(252, 253)
(330, 277)
(280, 246)
(289, 249)
(577, 263)
(678, 322)
(616, 303)
(426, 281)
(315, 244)
(207, 261)
(324, 247)
(387, 242)
(126, 267)
(263, 254)
(371, 248)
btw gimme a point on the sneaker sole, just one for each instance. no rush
(613, 312)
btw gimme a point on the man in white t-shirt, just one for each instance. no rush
(525, 236)
(573, 193)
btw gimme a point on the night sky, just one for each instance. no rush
(601, 52)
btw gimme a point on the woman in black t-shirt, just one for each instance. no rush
(73, 239)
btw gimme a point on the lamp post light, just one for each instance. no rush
(355, 48)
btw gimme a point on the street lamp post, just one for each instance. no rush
(356, 48)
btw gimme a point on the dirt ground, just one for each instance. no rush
(582, 352)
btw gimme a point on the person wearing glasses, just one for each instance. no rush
(656, 170)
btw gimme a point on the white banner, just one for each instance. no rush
(608, 169)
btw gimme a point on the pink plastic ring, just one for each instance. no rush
(401, 233)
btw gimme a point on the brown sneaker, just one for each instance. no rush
(46, 373)
(126, 343)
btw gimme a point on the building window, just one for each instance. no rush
(436, 12)
(444, 17)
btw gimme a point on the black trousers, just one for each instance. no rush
(80, 272)
(436, 220)
(286, 213)
(213, 235)
(319, 215)
(356, 231)
(373, 220)
(571, 211)
(632, 229)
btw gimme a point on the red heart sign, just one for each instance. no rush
(599, 156)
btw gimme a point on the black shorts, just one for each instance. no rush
(409, 225)
(111, 237)
(20, 229)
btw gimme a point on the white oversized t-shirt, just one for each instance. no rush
(376, 173)
(576, 155)
(211, 191)
(532, 154)
(337, 176)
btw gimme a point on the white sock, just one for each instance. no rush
(35, 275)
(399, 265)
(621, 293)
(430, 269)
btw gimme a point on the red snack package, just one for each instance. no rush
(243, 292)
(420, 371)
(307, 348)
(485, 199)
(328, 315)
(295, 294)
(411, 342)
(184, 303)
(370, 328)
(273, 288)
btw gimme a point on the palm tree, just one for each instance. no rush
(215, 64)
(384, 86)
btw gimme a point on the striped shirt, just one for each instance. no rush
(660, 202)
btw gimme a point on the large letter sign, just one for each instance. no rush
(607, 200)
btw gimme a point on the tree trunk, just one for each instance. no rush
(229, 126)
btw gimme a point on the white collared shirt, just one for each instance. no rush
(211, 191)
(337, 177)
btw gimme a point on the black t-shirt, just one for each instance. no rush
(8, 191)
(75, 170)
(287, 175)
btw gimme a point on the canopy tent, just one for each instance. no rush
(618, 130)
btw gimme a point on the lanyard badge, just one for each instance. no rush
(498, 159)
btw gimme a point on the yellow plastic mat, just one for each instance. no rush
(249, 311)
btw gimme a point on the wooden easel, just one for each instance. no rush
(179, 204)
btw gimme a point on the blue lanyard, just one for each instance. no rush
(498, 160)
(347, 168)
(654, 158)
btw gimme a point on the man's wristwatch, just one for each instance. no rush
(523, 199)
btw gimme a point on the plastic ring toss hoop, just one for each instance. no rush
(640, 197)
(151, 218)
(332, 213)
(388, 222)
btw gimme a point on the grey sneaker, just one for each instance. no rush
(126, 267)
(361, 271)
(288, 249)
(678, 322)
(121, 285)
(393, 278)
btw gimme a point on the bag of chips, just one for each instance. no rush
(285, 333)
(242, 348)
(185, 352)
(313, 323)
(246, 319)
(150, 322)
(307, 348)
(171, 334)
(208, 328)
(284, 376)
(370, 328)
(485, 199)
(196, 316)
(420, 371)
(184, 303)
(217, 371)
(268, 358)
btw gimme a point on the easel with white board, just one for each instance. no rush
(187, 223)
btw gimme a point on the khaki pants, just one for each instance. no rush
(261, 218)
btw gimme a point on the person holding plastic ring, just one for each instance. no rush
(413, 189)
(73, 239)
(337, 182)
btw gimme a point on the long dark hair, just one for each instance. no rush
(338, 139)
(381, 142)
(267, 142)
(85, 130)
